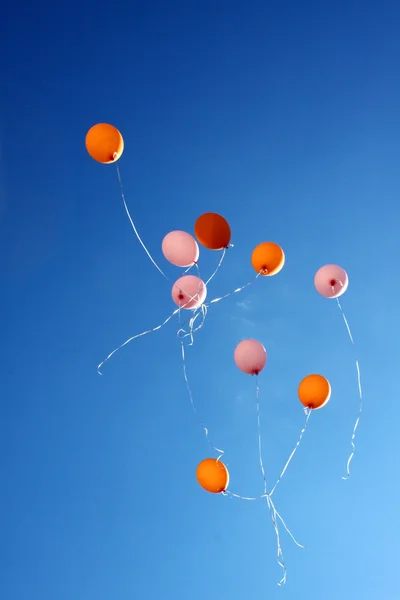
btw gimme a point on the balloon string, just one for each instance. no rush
(200, 310)
(273, 512)
(198, 270)
(134, 337)
(221, 260)
(182, 333)
(133, 224)
(229, 493)
(138, 335)
(345, 321)
(264, 496)
(308, 414)
(259, 434)
(284, 524)
(234, 291)
(271, 506)
(274, 516)
(360, 394)
(279, 556)
(189, 389)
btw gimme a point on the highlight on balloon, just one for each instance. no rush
(212, 475)
(104, 143)
(189, 292)
(268, 259)
(331, 281)
(250, 357)
(314, 391)
(180, 249)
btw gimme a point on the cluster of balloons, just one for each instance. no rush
(181, 249)
(314, 391)
(250, 357)
(105, 144)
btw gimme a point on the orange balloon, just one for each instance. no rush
(104, 143)
(213, 475)
(314, 391)
(268, 258)
(212, 231)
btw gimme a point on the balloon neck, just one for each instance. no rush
(333, 282)
(115, 156)
(264, 270)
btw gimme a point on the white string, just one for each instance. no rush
(279, 555)
(360, 394)
(308, 414)
(259, 435)
(264, 496)
(239, 289)
(218, 266)
(200, 311)
(134, 337)
(229, 493)
(195, 264)
(345, 321)
(133, 224)
(271, 506)
(217, 450)
(285, 526)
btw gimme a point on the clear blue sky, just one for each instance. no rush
(283, 117)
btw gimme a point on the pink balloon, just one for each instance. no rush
(331, 281)
(180, 248)
(250, 357)
(189, 292)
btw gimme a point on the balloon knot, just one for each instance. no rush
(333, 282)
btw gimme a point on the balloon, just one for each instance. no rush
(314, 391)
(212, 231)
(331, 281)
(213, 475)
(180, 248)
(104, 143)
(189, 292)
(250, 357)
(268, 258)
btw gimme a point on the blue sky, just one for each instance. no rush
(283, 117)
